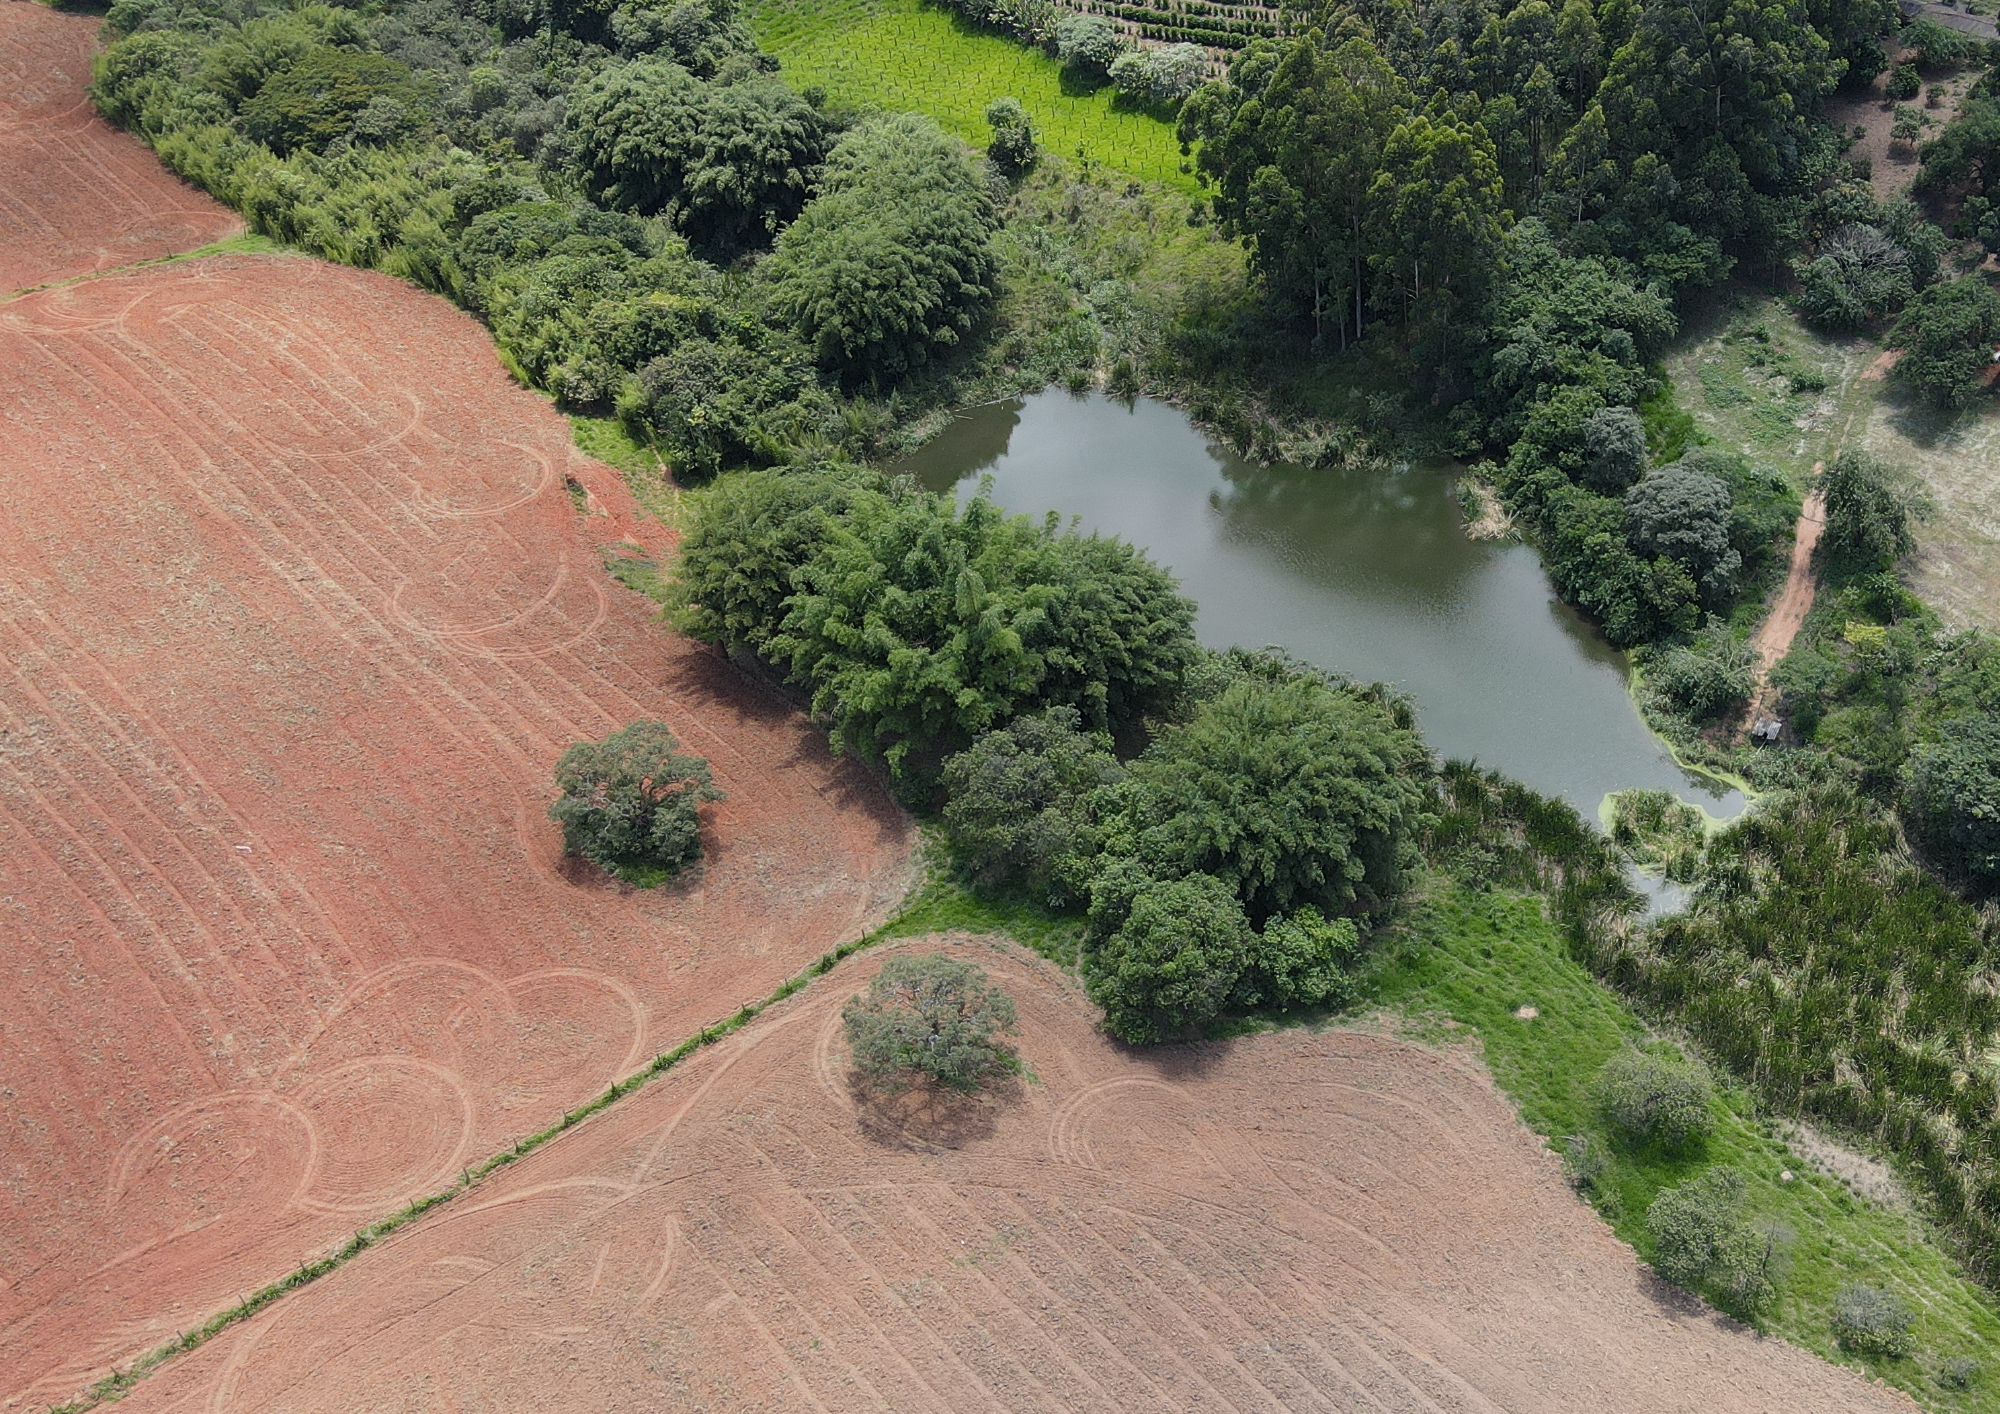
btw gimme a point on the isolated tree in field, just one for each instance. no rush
(1947, 335)
(633, 801)
(929, 1017)
(1012, 148)
(1867, 525)
(1651, 1100)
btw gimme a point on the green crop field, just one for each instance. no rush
(910, 56)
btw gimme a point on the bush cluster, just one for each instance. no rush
(1871, 1321)
(1649, 1100)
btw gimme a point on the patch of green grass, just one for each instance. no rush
(1754, 380)
(1476, 959)
(645, 473)
(245, 244)
(944, 905)
(909, 56)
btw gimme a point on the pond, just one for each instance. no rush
(1368, 573)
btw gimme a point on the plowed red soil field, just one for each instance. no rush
(297, 612)
(1299, 1222)
(77, 195)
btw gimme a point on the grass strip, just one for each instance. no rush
(939, 904)
(246, 244)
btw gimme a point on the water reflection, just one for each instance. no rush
(1369, 573)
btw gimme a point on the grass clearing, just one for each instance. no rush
(1477, 959)
(1733, 371)
(1756, 381)
(907, 55)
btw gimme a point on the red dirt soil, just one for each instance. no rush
(77, 195)
(296, 615)
(1795, 601)
(1293, 1221)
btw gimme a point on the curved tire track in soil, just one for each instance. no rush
(284, 672)
(1287, 1222)
(77, 195)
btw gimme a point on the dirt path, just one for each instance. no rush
(1294, 1221)
(1795, 601)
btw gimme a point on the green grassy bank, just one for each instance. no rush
(1477, 959)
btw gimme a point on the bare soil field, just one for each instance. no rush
(77, 195)
(298, 607)
(1293, 1221)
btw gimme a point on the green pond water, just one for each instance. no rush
(1367, 573)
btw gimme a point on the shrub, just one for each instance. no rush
(1088, 45)
(748, 534)
(931, 1017)
(631, 802)
(1175, 963)
(1016, 814)
(1867, 517)
(1870, 1321)
(1704, 680)
(1159, 77)
(1947, 338)
(713, 404)
(1305, 960)
(1904, 82)
(1650, 1100)
(1012, 148)
(919, 628)
(892, 264)
(1959, 1372)
(1936, 46)
(1859, 274)
(1291, 791)
(1952, 800)
(1701, 1243)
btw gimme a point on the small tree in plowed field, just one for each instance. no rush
(631, 803)
(930, 1017)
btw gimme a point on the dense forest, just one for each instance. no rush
(1506, 208)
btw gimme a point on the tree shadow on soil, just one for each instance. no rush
(1926, 425)
(927, 1119)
